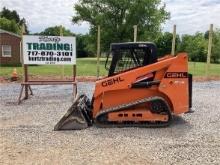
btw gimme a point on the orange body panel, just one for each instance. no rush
(116, 90)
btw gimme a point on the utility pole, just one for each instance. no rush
(173, 41)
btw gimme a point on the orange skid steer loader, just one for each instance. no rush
(140, 90)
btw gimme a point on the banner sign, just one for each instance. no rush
(49, 50)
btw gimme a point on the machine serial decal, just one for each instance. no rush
(176, 75)
(112, 81)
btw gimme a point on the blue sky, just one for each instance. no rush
(190, 16)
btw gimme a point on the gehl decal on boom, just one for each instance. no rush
(176, 75)
(112, 81)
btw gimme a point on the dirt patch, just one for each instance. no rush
(78, 78)
(92, 78)
(204, 78)
(43, 78)
(4, 80)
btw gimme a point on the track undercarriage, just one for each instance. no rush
(79, 115)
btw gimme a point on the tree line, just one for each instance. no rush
(11, 21)
(196, 45)
(117, 19)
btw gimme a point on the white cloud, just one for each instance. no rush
(41, 14)
(190, 16)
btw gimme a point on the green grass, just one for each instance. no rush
(199, 69)
(87, 67)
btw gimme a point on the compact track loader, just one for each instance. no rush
(140, 90)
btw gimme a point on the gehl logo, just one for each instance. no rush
(112, 81)
(176, 75)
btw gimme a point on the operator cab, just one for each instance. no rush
(130, 55)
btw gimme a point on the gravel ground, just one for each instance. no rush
(27, 136)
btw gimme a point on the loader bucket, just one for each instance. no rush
(77, 117)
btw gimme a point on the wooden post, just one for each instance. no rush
(173, 41)
(135, 33)
(62, 66)
(98, 51)
(21, 48)
(74, 80)
(209, 49)
(26, 80)
(25, 66)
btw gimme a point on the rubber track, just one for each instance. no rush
(102, 115)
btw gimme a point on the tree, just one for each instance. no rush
(215, 56)
(117, 17)
(83, 46)
(14, 17)
(11, 15)
(55, 31)
(195, 45)
(164, 43)
(9, 25)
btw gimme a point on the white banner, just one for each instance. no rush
(49, 50)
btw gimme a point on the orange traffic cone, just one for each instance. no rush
(14, 76)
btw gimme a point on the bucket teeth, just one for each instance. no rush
(77, 117)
